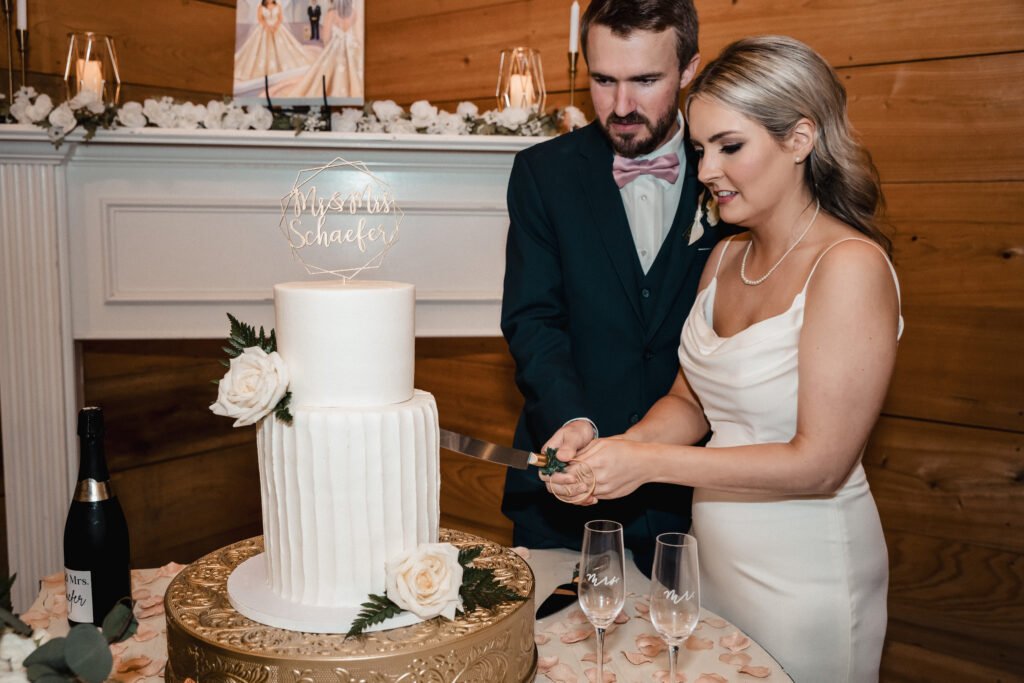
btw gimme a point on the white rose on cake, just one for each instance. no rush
(253, 385)
(426, 581)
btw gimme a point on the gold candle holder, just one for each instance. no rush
(573, 57)
(22, 34)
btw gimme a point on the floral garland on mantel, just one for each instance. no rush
(85, 110)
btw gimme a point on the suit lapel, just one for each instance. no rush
(607, 213)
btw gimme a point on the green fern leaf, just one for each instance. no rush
(376, 610)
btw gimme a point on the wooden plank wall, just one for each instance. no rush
(934, 90)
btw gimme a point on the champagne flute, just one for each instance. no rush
(675, 592)
(602, 586)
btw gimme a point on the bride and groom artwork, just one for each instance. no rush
(299, 50)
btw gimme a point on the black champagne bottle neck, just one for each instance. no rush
(93, 475)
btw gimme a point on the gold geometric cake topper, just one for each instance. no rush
(340, 204)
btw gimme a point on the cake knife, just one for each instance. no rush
(491, 452)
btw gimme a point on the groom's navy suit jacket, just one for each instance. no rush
(592, 335)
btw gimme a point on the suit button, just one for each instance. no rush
(634, 418)
(648, 354)
(645, 293)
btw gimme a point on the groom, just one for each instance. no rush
(602, 264)
(314, 20)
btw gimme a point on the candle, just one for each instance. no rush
(574, 27)
(520, 91)
(90, 76)
(22, 15)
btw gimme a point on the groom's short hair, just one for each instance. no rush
(624, 17)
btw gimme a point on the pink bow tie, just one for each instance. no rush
(626, 170)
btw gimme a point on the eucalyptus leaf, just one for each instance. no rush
(38, 671)
(50, 653)
(120, 624)
(19, 626)
(88, 654)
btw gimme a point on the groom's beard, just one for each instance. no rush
(632, 145)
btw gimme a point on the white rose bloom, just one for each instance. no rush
(347, 121)
(39, 109)
(386, 110)
(423, 114)
(426, 581)
(159, 112)
(260, 118)
(467, 110)
(575, 117)
(187, 115)
(215, 110)
(87, 99)
(402, 126)
(449, 124)
(235, 118)
(369, 124)
(252, 386)
(62, 117)
(130, 115)
(14, 649)
(512, 117)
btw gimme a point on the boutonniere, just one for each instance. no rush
(706, 214)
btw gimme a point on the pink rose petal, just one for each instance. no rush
(141, 593)
(127, 676)
(154, 668)
(592, 657)
(650, 645)
(735, 641)
(556, 628)
(662, 676)
(142, 577)
(576, 635)
(149, 611)
(55, 581)
(145, 632)
(546, 664)
(710, 678)
(642, 608)
(36, 619)
(756, 671)
(697, 643)
(591, 674)
(146, 603)
(637, 657)
(170, 570)
(562, 673)
(715, 622)
(578, 617)
(734, 658)
(134, 664)
(522, 552)
(621, 617)
(118, 649)
(541, 639)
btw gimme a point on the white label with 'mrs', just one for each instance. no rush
(78, 591)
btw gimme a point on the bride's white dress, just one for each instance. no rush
(267, 52)
(805, 576)
(339, 67)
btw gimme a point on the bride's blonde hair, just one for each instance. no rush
(776, 81)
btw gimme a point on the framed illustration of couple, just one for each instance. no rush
(299, 51)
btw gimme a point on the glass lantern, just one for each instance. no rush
(92, 65)
(521, 80)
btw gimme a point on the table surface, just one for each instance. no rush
(716, 652)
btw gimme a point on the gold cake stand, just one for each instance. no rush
(209, 642)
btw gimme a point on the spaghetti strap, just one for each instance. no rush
(722, 255)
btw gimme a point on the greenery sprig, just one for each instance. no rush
(554, 464)
(243, 336)
(480, 589)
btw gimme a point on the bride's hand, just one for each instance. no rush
(617, 469)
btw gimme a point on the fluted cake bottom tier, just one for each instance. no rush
(343, 491)
(208, 641)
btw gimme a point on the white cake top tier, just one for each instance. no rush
(347, 343)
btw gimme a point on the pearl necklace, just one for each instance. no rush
(743, 263)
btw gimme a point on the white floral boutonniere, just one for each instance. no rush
(256, 382)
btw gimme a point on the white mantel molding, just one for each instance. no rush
(154, 233)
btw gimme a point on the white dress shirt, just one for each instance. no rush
(651, 202)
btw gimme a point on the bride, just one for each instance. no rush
(786, 357)
(339, 66)
(270, 48)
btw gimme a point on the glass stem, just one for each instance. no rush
(673, 654)
(600, 654)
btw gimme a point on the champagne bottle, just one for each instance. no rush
(96, 572)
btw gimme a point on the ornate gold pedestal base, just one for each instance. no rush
(210, 642)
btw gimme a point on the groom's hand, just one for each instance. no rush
(572, 437)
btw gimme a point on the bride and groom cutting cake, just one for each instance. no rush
(635, 311)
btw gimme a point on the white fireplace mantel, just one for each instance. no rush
(154, 233)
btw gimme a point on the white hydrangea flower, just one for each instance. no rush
(467, 110)
(260, 118)
(449, 124)
(235, 117)
(386, 110)
(187, 115)
(313, 122)
(215, 110)
(159, 112)
(130, 115)
(370, 124)
(512, 117)
(63, 119)
(423, 114)
(87, 99)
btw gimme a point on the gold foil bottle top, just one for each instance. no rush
(92, 491)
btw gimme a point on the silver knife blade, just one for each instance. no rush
(491, 452)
